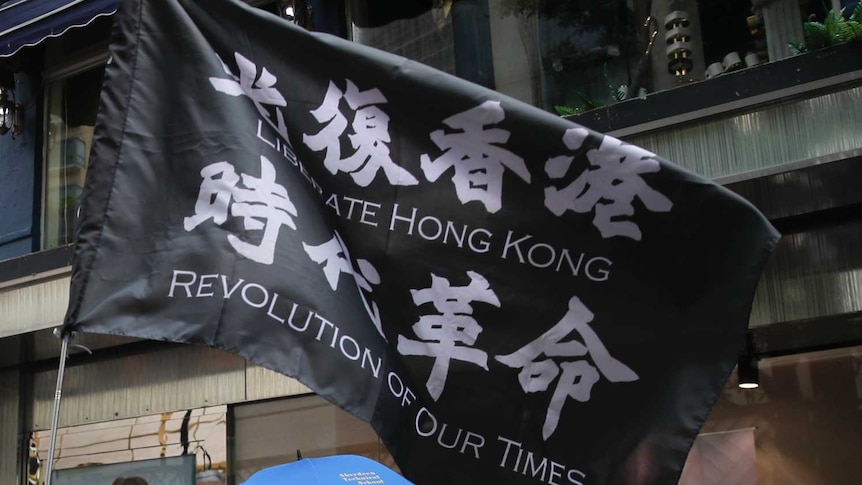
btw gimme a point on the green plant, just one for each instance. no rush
(566, 110)
(835, 29)
(617, 94)
(587, 104)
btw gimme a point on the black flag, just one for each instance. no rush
(505, 296)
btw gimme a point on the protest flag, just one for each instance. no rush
(506, 297)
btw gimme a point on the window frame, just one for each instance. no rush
(83, 61)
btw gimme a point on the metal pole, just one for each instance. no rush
(55, 422)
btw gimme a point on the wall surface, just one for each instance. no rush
(17, 177)
(28, 308)
(9, 426)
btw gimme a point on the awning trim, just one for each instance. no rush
(43, 16)
(36, 19)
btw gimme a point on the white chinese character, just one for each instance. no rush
(262, 204)
(609, 188)
(260, 89)
(578, 375)
(474, 153)
(335, 258)
(441, 334)
(370, 138)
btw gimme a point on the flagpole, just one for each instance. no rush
(55, 421)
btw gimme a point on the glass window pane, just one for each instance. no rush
(270, 433)
(568, 56)
(806, 419)
(544, 52)
(426, 38)
(72, 103)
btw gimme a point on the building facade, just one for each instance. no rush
(762, 96)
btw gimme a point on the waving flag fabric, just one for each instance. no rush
(505, 296)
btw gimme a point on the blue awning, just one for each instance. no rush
(28, 22)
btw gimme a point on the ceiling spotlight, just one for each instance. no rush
(747, 371)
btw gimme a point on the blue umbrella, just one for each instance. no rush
(329, 470)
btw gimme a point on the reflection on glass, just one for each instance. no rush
(804, 420)
(271, 433)
(569, 56)
(72, 103)
(181, 447)
(178, 470)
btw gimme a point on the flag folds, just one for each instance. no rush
(505, 296)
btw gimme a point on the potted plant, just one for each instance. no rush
(835, 29)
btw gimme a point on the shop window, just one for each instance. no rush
(418, 34)
(72, 102)
(571, 56)
(273, 432)
(75, 68)
(175, 448)
(179, 470)
(803, 424)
